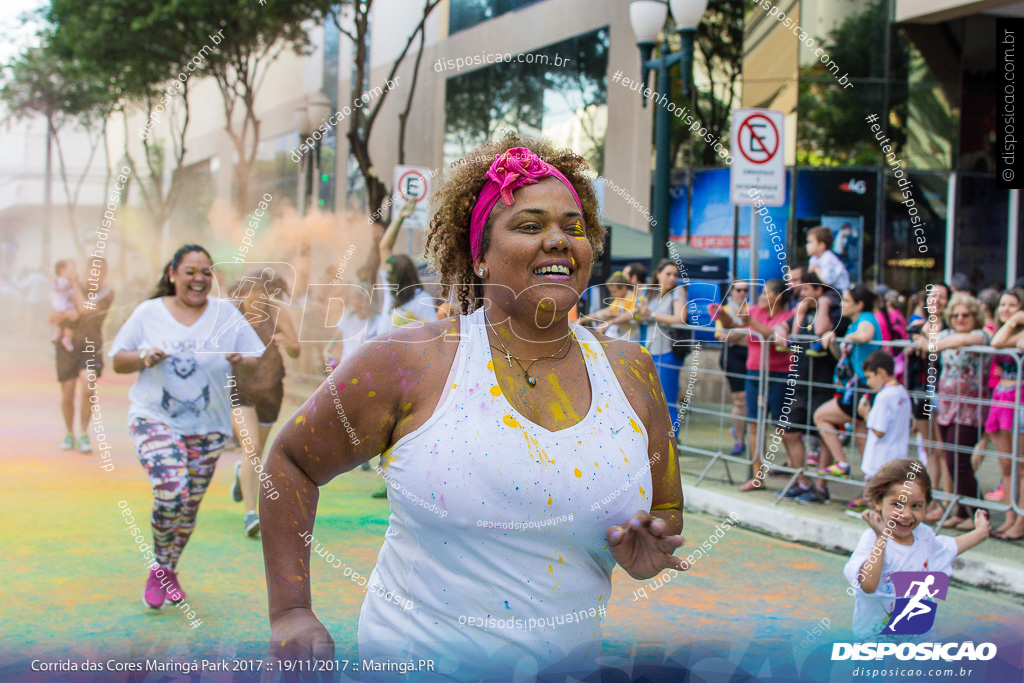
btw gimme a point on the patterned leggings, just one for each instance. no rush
(179, 470)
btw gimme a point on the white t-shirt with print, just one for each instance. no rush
(890, 414)
(873, 611)
(187, 391)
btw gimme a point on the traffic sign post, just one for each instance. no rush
(758, 162)
(758, 171)
(413, 182)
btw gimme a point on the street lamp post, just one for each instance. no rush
(648, 19)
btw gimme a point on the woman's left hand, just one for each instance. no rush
(643, 547)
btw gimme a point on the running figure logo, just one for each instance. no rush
(914, 613)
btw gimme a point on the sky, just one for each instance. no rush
(14, 37)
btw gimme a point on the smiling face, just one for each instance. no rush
(192, 279)
(739, 292)
(962, 319)
(907, 518)
(1008, 305)
(538, 248)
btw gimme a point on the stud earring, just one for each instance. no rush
(480, 272)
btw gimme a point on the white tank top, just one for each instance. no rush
(480, 539)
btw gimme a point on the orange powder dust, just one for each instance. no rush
(496, 390)
(636, 427)
(577, 472)
(372, 394)
(549, 500)
(490, 366)
(300, 419)
(510, 421)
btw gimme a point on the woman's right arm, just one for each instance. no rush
(126, 362)
(1006, 336)
(312, 448)
(387, 241)
(864, 333)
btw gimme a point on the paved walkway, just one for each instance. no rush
(73, 579)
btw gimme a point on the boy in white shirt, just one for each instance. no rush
(888, 419)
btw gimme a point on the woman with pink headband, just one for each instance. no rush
(525, 457)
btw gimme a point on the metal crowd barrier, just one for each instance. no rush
(699, 417)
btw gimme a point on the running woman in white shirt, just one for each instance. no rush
(491, 424)
(180, 410)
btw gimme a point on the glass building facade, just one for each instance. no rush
(465, 14)
(567, 104)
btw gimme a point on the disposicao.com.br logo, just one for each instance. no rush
(914, 614)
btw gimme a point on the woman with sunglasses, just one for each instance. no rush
(960, 388)
(733, 360)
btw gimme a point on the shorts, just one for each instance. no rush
(735, 364)
(849, 397)
(71, 363)
(922, 408)
(775, 395)
(267, 403)
(802, 414)
(1000, 416)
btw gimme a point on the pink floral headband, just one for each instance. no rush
(510, 171)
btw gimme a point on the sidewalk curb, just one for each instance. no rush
(841, 538)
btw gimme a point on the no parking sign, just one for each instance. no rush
(413, 182)
(757, 157)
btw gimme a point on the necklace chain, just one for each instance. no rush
(532, 381)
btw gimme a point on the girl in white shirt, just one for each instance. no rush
(900, 491)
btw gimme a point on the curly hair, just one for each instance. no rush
(972, 304)
(447, 247)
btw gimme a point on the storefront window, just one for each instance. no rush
(914, 231)
(980, 242)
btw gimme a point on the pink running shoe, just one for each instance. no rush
(153, 596)
(175, 593)
(995, 495)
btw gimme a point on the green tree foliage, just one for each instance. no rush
(252, 37)
(718, 58)
(150, 49)
(832, 130)
(68, 94)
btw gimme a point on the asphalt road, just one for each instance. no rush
(73, 579)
